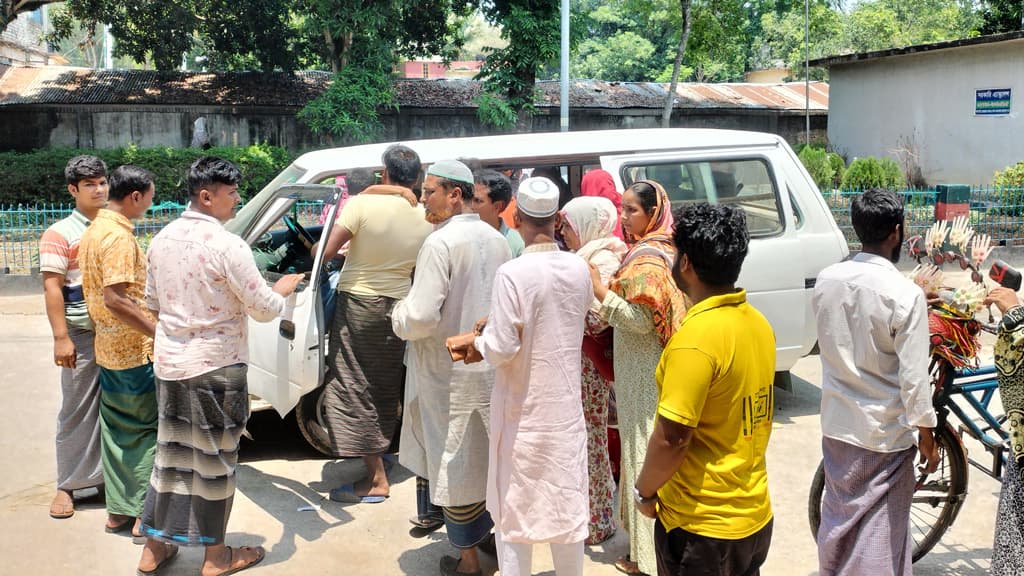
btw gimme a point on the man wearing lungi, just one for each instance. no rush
(365, 370)
(203, 284)
(114, 280)
(78, 423)
(445, 421)
(876, 396)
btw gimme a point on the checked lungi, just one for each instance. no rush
(865, 513)
(192, 487)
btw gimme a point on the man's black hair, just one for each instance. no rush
(499, 187)
(402, 164)
(875, 214)
(81, 167)
(465, 188)
(714, 238)
(210, 170)
(359, 179)
(127, 179)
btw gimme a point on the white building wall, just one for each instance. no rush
(927, 101)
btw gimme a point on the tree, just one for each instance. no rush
(12, 8)
(670, 98)
(782, 37)
(1002, 16)
(625, 56)
(509, 75)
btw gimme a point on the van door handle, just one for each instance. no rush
(287, 329)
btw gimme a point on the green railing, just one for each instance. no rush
(996, 212)
(22, 225)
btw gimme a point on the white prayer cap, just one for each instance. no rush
(452, 170)
(537, 197)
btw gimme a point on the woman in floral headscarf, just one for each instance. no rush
(644, 307)
(587, 225)
(1008, 549)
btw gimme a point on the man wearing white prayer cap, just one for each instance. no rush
(447, 405)
(538, 443)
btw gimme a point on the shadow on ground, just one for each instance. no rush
(803, 400)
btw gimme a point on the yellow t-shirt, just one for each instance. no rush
(386, 237)
(716, 375)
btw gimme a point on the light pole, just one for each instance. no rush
(563, 109)
(807, 72)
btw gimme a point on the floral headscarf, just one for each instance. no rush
(600, 183)
(645, 276)
(594, 221)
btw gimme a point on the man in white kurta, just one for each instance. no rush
(445, 422)
(537, 486)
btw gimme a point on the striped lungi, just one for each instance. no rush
(865, 513)
(193, 483)
(467, 526)
(128, 422)
(365, 376)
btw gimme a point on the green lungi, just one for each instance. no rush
(128, 423)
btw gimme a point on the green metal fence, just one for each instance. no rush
(21, 226)
(996, 212)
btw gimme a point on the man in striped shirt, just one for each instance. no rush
(78, 447)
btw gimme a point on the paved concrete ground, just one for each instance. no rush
(278, 474)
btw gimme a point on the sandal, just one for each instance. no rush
(627, 566)
(61, 508)
(261, 553)
(170, 552)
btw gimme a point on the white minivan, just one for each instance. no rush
(793, 234)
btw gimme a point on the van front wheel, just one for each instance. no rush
(309, 415)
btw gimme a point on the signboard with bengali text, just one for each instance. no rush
(992, 102)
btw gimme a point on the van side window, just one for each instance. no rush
(745, 183)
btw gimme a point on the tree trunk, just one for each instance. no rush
(670, 98)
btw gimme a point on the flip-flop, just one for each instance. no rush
(261, 553)
(120, 527)
(346, 495)
(170, 556)
(66, 510)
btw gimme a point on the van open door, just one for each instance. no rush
(286, 355)
(745, 178)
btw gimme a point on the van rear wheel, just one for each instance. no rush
(309, 415)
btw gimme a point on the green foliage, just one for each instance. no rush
(817, 163)
(349, 107)
(623, 57)
(533, 30)
(495, 110)
(838, 168)
(1002, 16)
(39, 176)
(870, 172)
(1009, 177)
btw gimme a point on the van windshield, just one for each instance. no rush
(747, 184)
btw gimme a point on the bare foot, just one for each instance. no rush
(366, 487)
(62, 506)
(223, 559)
(154, 555)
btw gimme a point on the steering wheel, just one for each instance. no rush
(300, 233)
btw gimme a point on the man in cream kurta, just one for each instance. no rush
(537, 485)
(445, 421)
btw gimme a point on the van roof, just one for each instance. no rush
(517, 149)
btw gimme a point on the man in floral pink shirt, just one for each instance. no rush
(203, 284)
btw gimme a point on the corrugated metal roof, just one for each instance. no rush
(80, 86)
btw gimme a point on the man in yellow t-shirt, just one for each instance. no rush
(704, 478)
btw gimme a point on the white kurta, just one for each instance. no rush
(537, 485)
(445, 419)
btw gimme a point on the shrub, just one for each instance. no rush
(817, 163)
(1010, 177)
(38, 176)
(838, 169)
(870, 172)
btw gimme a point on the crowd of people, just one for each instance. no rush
(490, 328)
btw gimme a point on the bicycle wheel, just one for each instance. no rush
(936, 501)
